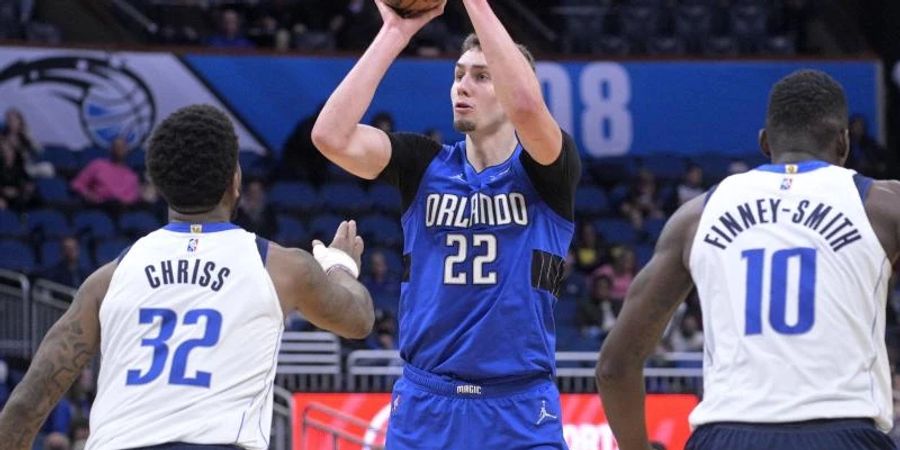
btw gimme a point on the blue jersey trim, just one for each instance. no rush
(803, 167)
(122, 255)
(263, 246)
(863, 184)
(212, 227)
(709, 194)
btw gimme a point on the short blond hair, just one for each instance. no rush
(472, 42)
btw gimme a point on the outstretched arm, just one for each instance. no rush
(881, 207)
(652, 299)
(332, 300)
(516, 85)
(68, 347)
(360, 149)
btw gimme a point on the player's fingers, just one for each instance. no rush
(340, 232)
(351, 229)
(359, 245)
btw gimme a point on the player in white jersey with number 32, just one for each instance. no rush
(791, 262)
(188, 320)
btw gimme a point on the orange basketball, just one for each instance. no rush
(408, 8)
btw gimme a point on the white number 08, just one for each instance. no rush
(489, 241)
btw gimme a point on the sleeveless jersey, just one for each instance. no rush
(190, 330)
(485, 254)
(793, 284)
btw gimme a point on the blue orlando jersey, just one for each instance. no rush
(484, 254)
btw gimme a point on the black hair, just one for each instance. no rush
(192, 158)
(807, 105)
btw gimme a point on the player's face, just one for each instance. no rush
(475, 105)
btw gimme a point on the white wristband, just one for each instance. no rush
(331, 257)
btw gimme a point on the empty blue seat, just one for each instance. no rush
(138, 223)
(93, 223)
(591, 201)
(344, 197)
(293, 196)
(780, 45)
(748, 26)
(611, 45)
(53, 190)
(63, 158)
(653, 228)
(48, 222)
(665, 167)
(136, 159)
(253, 164)
(613, 170)
(110, 249)
(617, 231)
(89, 154)
(715, 167)
(638, 23)
(323, 226)
(16, 256)
(665, 46)
(381, 230)
(720, 46)
(10, 225)
(642, 254)
(385, 198)
(291, 232)
(693, 23)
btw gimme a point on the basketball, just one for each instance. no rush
(408, 8)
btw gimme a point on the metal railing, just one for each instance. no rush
(310, 362)
(282, 420)
(49, 301)
(339, 428)
(15, 337)
(378, 370)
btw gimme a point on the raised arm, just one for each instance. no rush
(332, 300)
(66, 349)
(360, 149)
(516, 85)
(652, 299)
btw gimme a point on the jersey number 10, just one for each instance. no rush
(778, 284)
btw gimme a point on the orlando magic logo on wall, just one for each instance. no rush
(111, 100)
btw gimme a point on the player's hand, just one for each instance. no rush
(346, 240)
(409, 26)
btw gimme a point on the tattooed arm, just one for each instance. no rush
(68, 347)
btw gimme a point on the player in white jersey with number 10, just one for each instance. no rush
(188, 320)
(791, 262)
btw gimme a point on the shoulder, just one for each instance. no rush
(97, 284)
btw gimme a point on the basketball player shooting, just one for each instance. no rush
(791, 262)
(487, 223)
(189, 318)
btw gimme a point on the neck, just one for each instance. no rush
(794, 157)
(219, 214)
(491, 147)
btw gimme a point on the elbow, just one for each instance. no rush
(327, 141)
(364, 323)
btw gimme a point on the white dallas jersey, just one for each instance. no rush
(190, 330)
(792, 283)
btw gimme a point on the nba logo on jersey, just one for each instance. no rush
(786, 184)
(196, 228)
(192, 245)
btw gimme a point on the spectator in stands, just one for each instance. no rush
(867, 156)
(15, 131)
(299, 157)
(691, 186)
(17, 191)
(597, 312)
(109, 180)
(69, 271)
(385, 335)
(643, 200)
(356, 25)
(255, 214)
(384, 121)
(230, 34)
(589, 250)
(383, 285)
(621, 271)
(80, 432)
(688, 337)
(57, 441)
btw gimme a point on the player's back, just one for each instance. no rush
(793, 283)
(190, 330)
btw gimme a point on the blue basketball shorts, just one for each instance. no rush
(431, 412)
(832, 434)
(182, 446)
